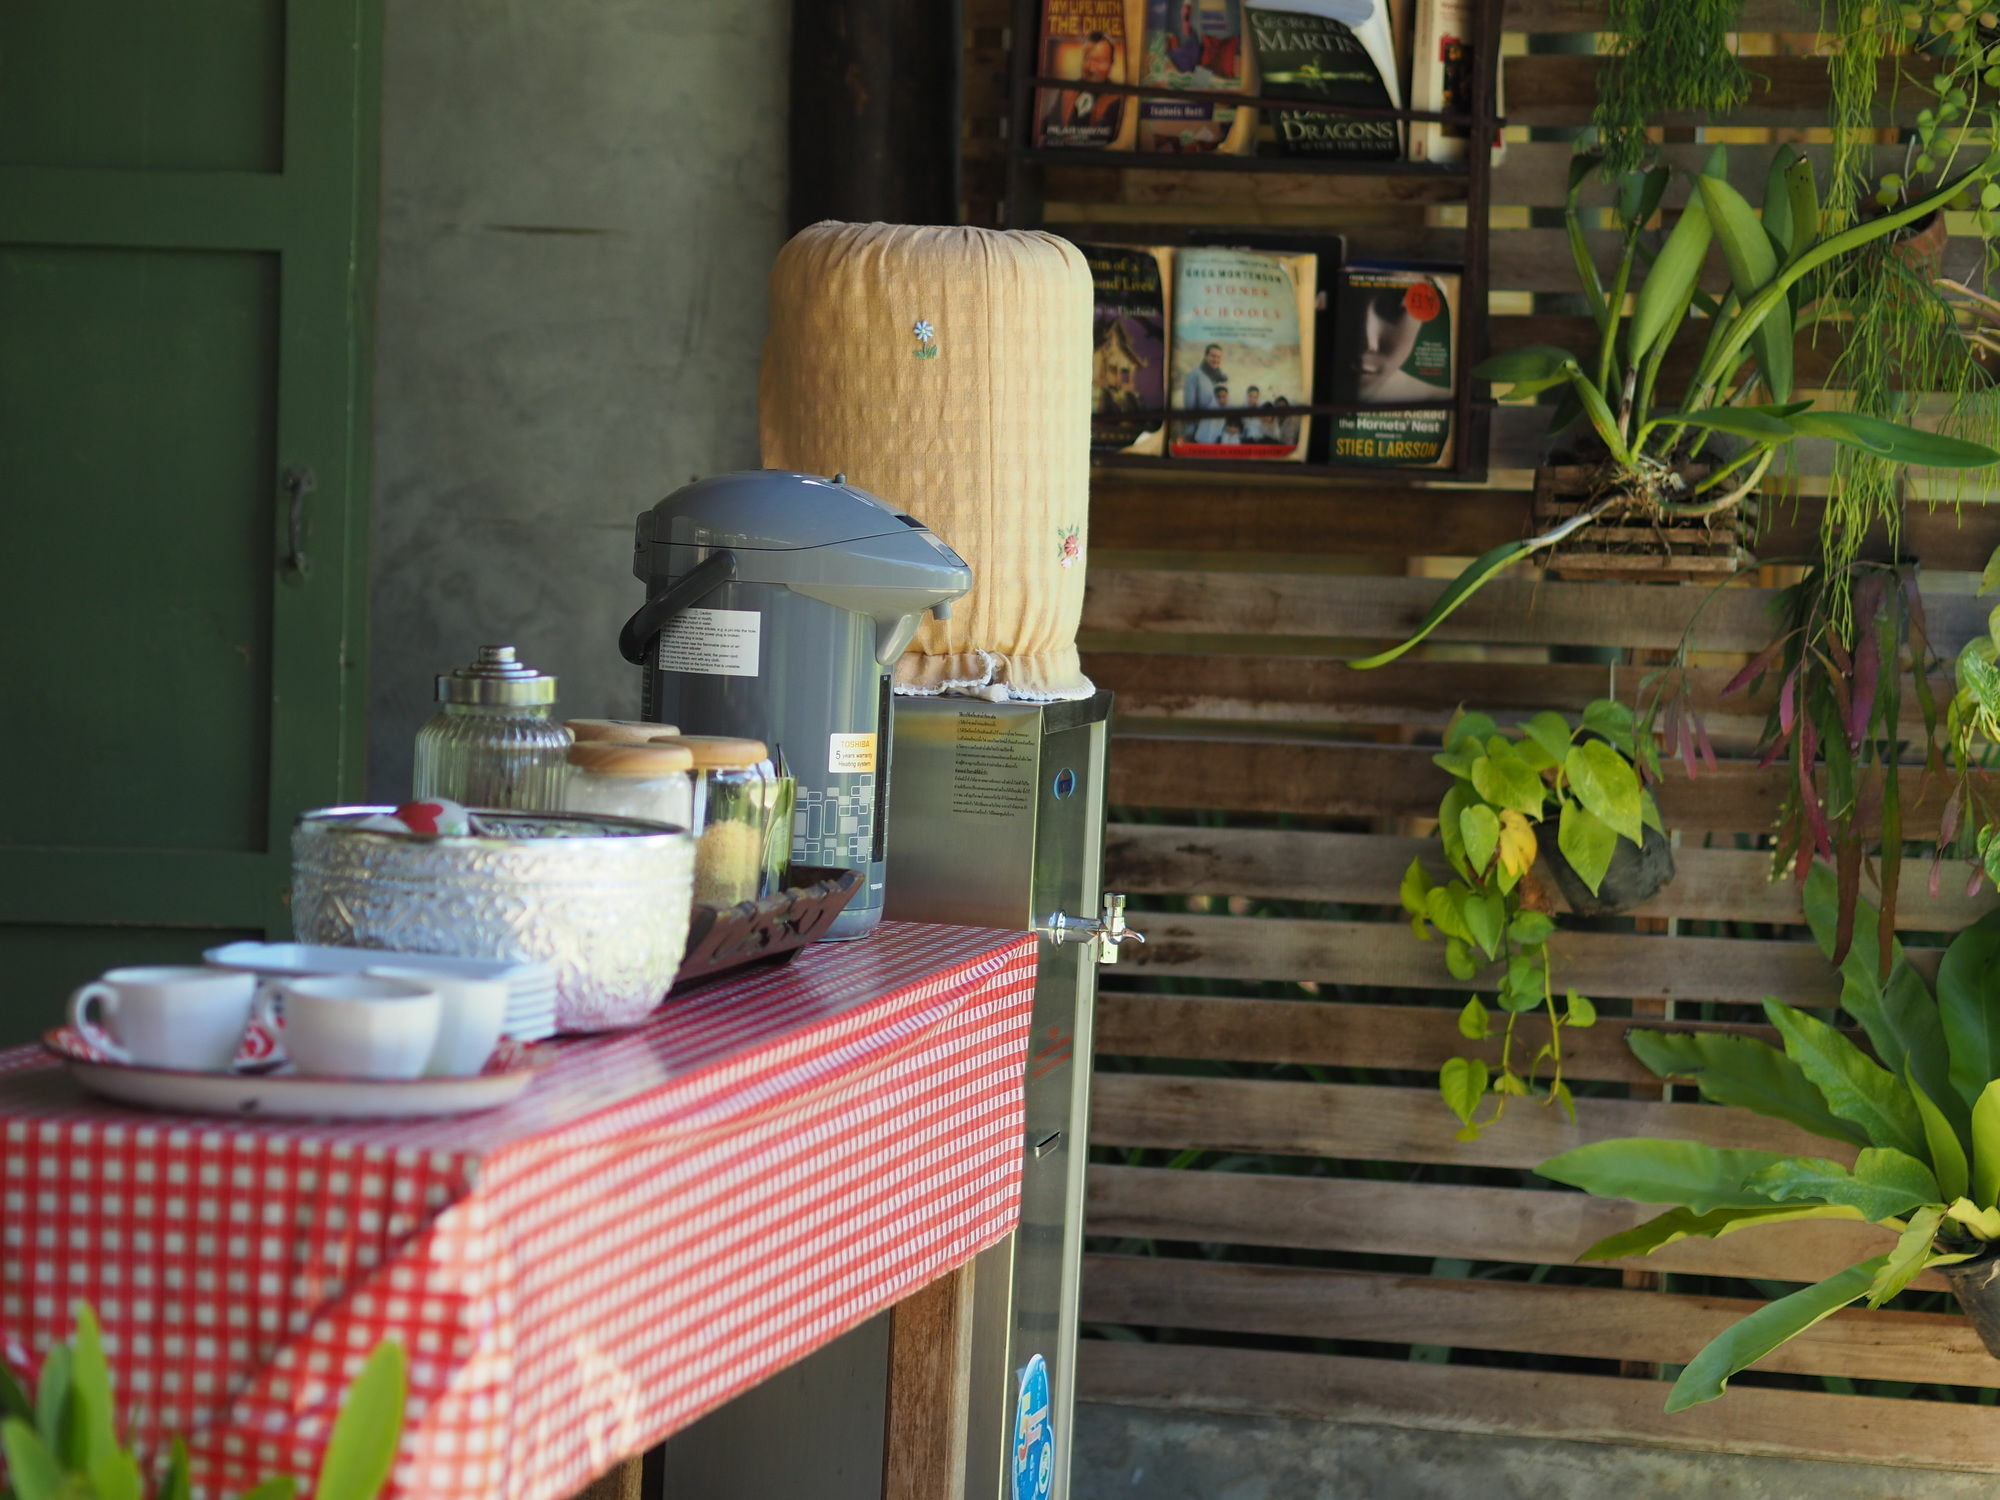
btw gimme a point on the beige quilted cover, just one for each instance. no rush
(947, 370)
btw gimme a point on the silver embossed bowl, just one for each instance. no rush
(604, 900)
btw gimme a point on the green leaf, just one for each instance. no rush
(1479, 829)
(1605, 783)
(362, 1449)
(1670, 281)
(14, 1400)
(1486, 917)
(1476, 727)
(55, 1412)
(1587, 842)
(1742, 1071)
(1752, 265)
(1523, 988)
(1681, 1223)
(1415, 887)
(1458, 960)
(1908, 1259)
(1579, 1012)
(1803, 191)
(1968, 1006)
(1855, 1086)
(30, 1462)
(1457, 798)
(1989, 576)
(90, 1378)
(1649, 810)
(1646, 1170)
(1551, 732)
(1476, 575)
(1986, 1147)
(1947, 1154)
(1984, 1222)
(1462, 1081)
(1883, 1184)
(1778, 222)
(1900, 1018)
(1444, 906)
(1738, 421)
(1530, 927)
(1894, 441)
(1505, 780)
(1613, 720)
(115, 1476)
(1474, 1021)
(278, 1487)
(174, 1484)
(1748, 1341)
(1529, 370)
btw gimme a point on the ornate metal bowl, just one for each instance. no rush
(604, 900)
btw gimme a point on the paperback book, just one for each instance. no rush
(1242, 350)
(1088, 41)
(1195, 44)
(1442, 60)
(1335, 52)
(1129, 347)
(1395, 342)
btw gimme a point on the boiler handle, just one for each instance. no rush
(702, 580)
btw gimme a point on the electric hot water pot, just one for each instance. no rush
(776, 606)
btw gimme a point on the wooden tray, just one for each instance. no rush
(1690, 550)
(721, 938)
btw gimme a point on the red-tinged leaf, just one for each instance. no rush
(1836, 648)
(1758, 665)
(1936, 881)
(1687, 751)
(1847, 887)
(1948, 819)
(1867, 802)
(1707, 750)
(1809, 792)
(1978, 879)
(1867, 667)
(1788, 701)
(1775, 749)
(1837, 685)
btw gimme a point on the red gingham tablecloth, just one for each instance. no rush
(670, 1215)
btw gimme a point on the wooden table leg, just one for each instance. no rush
(622, 1483)
(929, 1395)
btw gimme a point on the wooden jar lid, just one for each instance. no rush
(715, 752)
(608, 758)
(618, 731)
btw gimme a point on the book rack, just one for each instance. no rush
(1027, 166)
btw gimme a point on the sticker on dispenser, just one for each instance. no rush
(853, 754)
(1033, 1462)
(715, 642)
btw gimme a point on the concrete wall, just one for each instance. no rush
(1128, 1451)
(579, 206)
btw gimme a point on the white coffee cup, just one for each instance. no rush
(352, 1026)
(177, 1017)
(469, 1020)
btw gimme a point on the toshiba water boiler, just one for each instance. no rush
(776, 606)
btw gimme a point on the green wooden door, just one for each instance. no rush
(187, 219)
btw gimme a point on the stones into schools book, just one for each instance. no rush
(1395, 342)
(1195, 44)
(1129, 347)
(1090, 42)
(1242, 353)
(1334, 52)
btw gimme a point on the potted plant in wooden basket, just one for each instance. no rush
(1572, 798)
(1918, 1124)
(1645, 476)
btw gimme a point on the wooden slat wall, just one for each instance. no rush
(1219, 610)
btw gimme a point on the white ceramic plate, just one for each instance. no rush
(255, 1094)
(531, 987)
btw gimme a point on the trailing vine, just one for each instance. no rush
(1674, 56)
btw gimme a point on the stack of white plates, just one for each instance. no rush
(531, 987)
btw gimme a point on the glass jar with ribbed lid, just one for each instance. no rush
(494, 741)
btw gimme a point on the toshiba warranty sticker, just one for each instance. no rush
(1034, 1434)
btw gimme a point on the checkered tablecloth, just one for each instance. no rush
(670, 1215)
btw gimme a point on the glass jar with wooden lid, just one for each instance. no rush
(742, 818)
(631, 781)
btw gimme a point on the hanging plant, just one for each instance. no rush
(1509, 794)
(1664, 58)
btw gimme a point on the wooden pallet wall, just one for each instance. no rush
(1371, 1266)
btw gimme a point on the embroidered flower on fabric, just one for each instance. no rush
(926, 336)
(1069, 546)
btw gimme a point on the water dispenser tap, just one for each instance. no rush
(1110, 931)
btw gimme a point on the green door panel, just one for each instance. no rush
(187, 225)
(43, 965)
(140, 387)
(106, 83)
